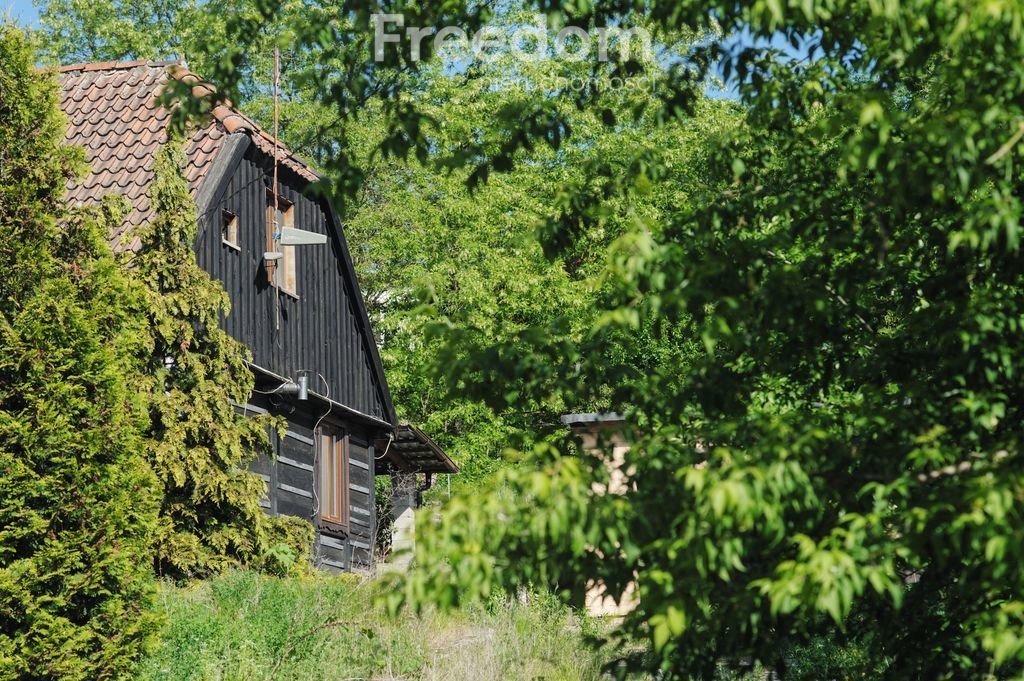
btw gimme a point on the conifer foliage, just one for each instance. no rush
(122, 445)
(200, 441)
(77, 500)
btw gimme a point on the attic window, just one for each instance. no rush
(229, 229)
(283, 269)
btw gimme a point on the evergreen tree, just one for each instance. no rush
(200, 442)
(77, 500)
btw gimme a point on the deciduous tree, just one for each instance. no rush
(843, 452)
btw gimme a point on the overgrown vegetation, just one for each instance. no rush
(78, 502)
(847, 440)
(246, 627)
(819, 353)
(199, 443)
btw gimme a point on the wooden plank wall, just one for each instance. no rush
(291, 478)
(362, 503)
(320, 331)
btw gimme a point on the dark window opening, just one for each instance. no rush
(229, 229)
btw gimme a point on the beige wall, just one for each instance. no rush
(597, 438)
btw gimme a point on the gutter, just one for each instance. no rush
(334, 404)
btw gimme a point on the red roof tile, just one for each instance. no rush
(113, 111)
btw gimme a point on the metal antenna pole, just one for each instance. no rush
(275, 236)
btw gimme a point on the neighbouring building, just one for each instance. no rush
(602, 433)
(281, 255)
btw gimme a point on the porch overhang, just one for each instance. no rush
(413, 451)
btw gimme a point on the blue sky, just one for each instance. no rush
(25, 13)
(22, 11)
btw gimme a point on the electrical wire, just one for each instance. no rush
(277, 206)
(206, 217)
(275, 391)
(327, 397)
(387, 447)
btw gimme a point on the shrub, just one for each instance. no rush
(199, 444)
(77, 500)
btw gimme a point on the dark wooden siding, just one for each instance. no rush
(362, 507)
(321, 331)
(291, 480)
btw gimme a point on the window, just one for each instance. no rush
(282, 270)
(334, 479)
(229, 229)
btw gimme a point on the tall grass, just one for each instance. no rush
(249, 627)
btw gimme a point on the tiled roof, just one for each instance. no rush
(114, 112)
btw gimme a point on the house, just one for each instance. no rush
(281, 255)
(601, 434)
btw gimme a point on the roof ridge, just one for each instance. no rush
(117, 65)
(223, 112)
(234, 120)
